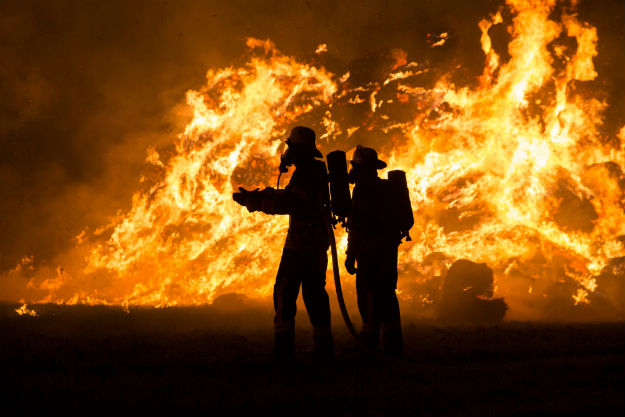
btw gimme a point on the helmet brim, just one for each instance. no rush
(312, 149)
(378, 164)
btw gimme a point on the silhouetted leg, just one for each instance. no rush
(285, 293)
(318, 304)
(370, 333)
(362, 298)
(392, 338)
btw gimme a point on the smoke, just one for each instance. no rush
(88, 87)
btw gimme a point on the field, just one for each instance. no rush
(213, 361)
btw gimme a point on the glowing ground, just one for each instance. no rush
(99, 360)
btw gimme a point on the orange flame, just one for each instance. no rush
(25, 311)
(512, 173)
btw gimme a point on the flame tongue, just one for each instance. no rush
(185, 239)
(518, 161)
(511, 173)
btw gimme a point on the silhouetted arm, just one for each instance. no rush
(284, 201)
(300, 195)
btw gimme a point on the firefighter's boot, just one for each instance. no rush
(284, 346)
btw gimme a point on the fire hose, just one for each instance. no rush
(337, 281)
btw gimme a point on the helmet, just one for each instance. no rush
(304, 137)
(367, 156)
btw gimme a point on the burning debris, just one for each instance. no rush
(467, 295)
(321, 49)
(511, 170)
(25, 311)
(437, 40)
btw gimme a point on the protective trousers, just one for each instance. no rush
(308, 269)
(376, 280)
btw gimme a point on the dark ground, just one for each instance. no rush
(97, 360)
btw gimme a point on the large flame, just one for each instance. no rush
(511, 172)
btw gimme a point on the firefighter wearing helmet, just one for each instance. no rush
(372, 245)
(304, 258)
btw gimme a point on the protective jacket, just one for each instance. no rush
(370, 228)
(306, 200)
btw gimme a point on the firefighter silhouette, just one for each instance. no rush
(378, 220)
(304, 258)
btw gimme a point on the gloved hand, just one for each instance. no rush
(247, 198)
(350, 264)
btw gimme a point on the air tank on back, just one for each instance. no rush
(402, 208)
(339, 185)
